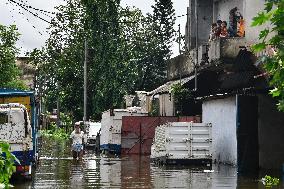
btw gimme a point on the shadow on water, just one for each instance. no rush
(57, 169)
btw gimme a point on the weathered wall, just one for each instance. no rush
(222, 114)
(222, 8)
(247, 8)
(251, 8)
(225, 49)
(271, 134)
(166, 105)
(205, 12)
(180, 66)
(213, 10)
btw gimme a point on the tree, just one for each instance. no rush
(164, 19)
(124, 55)
(9, 71)
(159, 37)
(274, 63)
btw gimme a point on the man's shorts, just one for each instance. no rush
(77, 147)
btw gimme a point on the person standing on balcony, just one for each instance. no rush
(224, 30)
(233, 22)
(218, 28)
(212, 35)
(241, 27)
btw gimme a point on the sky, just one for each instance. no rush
(33, 30)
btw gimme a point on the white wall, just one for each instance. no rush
(251, 8)
(222, 114)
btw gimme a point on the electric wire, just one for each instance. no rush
(26, 9)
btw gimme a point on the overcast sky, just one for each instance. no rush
(33, 30)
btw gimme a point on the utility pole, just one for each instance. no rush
(58, 106)
(196, 44)
(179, 39)
(85, 82)
(179, 53)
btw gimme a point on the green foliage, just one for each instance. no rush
(273, 14)
(155, 108)
(127, 51)
(180, 92)
(66, 120)
(164, 18)
(180, 95)
(9, 71)
(55, 133)
(269, 181)
(7, 160)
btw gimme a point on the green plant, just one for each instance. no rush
(273, 39)
(269, 181)
(9, 77)
(57, 133)
(155, 108)
(127, 51)
(7, 161)
(180, 94)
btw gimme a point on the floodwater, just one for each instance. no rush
(56, 169)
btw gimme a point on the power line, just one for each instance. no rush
(37, 9)
(24, 6)
(35, 14)
(30, 7)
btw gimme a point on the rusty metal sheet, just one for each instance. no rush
(137, 133)
(194, 119)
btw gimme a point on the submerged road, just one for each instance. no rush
(57, 169)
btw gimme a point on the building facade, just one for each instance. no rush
(227, 82)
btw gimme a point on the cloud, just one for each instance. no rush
(33, 30)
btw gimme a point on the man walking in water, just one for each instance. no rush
(78, 139)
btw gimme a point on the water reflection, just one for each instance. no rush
(57, 169)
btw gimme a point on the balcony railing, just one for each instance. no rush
(218, 51)
(181, 66)
(224, 50)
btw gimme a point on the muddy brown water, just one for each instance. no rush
(57, 169)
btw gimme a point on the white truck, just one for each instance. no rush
(111, 123)
(92, 130)
(183, 143)
(15, 129)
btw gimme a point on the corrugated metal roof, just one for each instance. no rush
(167, 86)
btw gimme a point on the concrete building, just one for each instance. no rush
(247, 127)
(231, 92)
(28, 71)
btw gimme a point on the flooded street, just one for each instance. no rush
(57, 169)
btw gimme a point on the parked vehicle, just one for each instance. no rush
(92, 130)
(183, 143)
(111, 123)
(18, 127)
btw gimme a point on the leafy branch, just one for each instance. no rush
(273, 38)
(7, 163)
